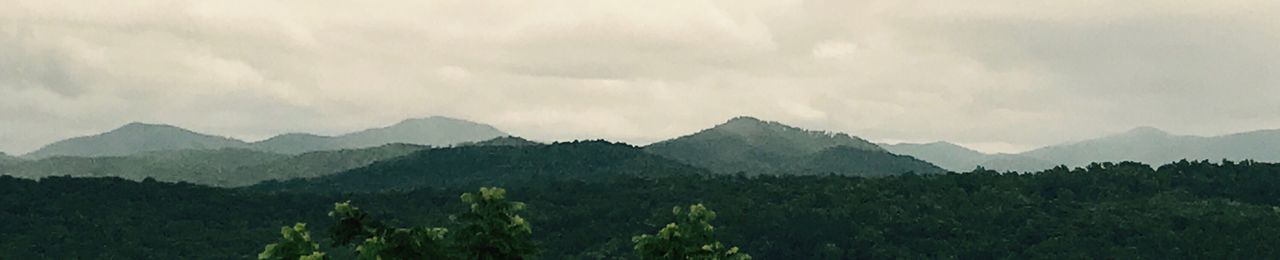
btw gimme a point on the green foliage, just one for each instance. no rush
(690, 237)
(295, 243)
(381, 242)
(493, 228)
(1184, 210)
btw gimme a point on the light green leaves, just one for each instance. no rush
(295, 243)
(690, 237)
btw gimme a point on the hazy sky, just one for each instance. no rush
(995, 75)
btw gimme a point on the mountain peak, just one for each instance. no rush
(141, 125)
(1145, 131)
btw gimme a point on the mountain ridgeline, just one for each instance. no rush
(136, 138)
(1144, 144)
(227, 167)
(432, 131)
(752, 146)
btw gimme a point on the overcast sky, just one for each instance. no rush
(993, 75)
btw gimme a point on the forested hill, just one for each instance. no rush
(473, 166)
(1187, 210)
(753, 146)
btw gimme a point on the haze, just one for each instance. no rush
(999, 76)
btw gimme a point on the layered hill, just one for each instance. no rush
(135, 138)
(228, 167)
(752, 146)
(431, 131)
(957, 158)
(495, 165)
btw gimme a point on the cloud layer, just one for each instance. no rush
(999, 75)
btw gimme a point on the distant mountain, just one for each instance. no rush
(1155, 147)
(957, 158)
(134, 138)
(229, 167)
(431, 131)
(473, 166)
(753, 146)
(209, 167)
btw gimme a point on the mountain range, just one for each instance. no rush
(742, 145)
(227, 167)
(135, 138)
(1147, 145)
(431, 131)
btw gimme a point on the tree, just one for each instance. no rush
(296, 243)
(690, 237)
(492, 229)
(381, 242)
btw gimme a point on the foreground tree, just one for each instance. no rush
(381, 242)
(690, 237)
(493, 229)
(295, 243)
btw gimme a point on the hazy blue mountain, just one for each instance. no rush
(134, 138)
(501, 165)
(753, 146)
(1153, 146)
(946, 155)
(228, 167)
(958, 158)
(432, 131)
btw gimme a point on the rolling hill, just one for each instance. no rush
(432, 131)
(752, 146)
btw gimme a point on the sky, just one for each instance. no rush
(995, 75)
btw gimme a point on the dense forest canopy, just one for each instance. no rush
(1124, 210)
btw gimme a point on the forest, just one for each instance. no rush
(1186, 209)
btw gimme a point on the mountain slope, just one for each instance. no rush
(134, 138)
(431, 131)
(749, 145)
(957, 158)
(472, 166)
